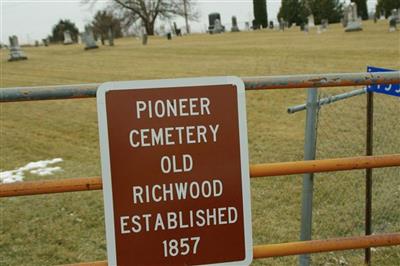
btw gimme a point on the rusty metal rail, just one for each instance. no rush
(312, 246)
(50, 186)
(256, 170)
(332, 244)
(251, 83)
(326, 165)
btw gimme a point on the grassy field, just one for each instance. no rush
(69, 227)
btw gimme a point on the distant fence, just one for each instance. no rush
(258, 170)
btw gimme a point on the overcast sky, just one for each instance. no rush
(33, 20)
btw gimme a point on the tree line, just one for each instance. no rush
(297, 11)
(102, 22)
(121, 14)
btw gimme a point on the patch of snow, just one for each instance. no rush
(40, 164)
(45, 171)
(11, 176)
(38, 168)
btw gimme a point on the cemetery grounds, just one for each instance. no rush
(69, 227)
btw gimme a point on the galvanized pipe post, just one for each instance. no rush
(310, 142)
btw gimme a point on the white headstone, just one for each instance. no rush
(218, 28)
(398, 15)
(162, 31)
(143, 34)
(324, 24)
(281, 24)
(88, 39)
(110, 34)
(353, 21)
(310, 19)
(394, 19)
(247, 26)
(15, 50)
(67, 37)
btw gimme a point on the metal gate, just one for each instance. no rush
(256, 170)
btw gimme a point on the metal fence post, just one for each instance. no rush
(308, 179)
(368, 173)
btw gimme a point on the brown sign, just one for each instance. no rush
(175, 172)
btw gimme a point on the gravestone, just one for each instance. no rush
(88, 39)
(352, 19)
(177, 31)
(211, 20)
(143, 35)
(392, 25)
(281, 24)
(394, 19)
(247, 26)
(343, 20)
(218, 28)
(235, 27)
(324, 24)
(15, 50)
(310, 20)
(215, 26)
(396, 13)
(67, 38)
(110, 36)
(255, 25)
(161, 31)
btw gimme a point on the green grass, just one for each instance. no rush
(69, 227)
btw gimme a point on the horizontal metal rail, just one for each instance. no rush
(251, 83)
(332, 244)
(326, 165)
(321, 80)
(256, 170)
(311, 246)
(50, 186)
(328, 100)
(58, 92)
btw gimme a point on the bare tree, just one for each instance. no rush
(148, 11)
